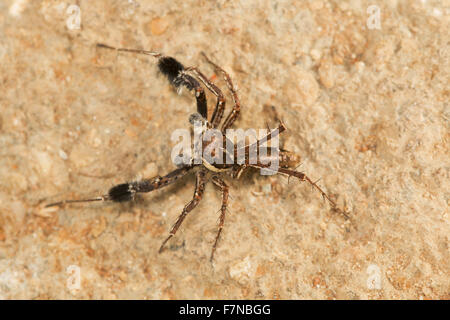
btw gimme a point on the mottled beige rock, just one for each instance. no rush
(327, 74)
(366, 111)
(159, 25)
(302, 88)
(242, 270)
(150, 170)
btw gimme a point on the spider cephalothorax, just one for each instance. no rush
(207, 169)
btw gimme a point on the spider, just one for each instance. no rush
(190, 78)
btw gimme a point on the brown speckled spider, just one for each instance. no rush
(189, 78)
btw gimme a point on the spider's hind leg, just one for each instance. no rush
(303, 177)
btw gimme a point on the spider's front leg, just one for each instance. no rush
(175, 72)
(198, 193)
(220, 105)
(126, 191)
(232, 116)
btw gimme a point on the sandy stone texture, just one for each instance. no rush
(366, 110)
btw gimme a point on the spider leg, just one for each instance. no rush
(146, 52)
(272, 134)
(232, 116)
(247, 154)
(220, 105)
(191, 83)
(199, 189)
(238, 170)
(303, 177)
(63, 202)
(175, 72)
(126, 191)
(224, 187)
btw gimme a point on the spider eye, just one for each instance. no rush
(170, 67)
(121, 193)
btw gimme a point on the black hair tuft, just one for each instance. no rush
(170, 67)
(120, 193)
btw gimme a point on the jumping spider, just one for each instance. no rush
(189, 78)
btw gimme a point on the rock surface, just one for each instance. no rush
(366, 109)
